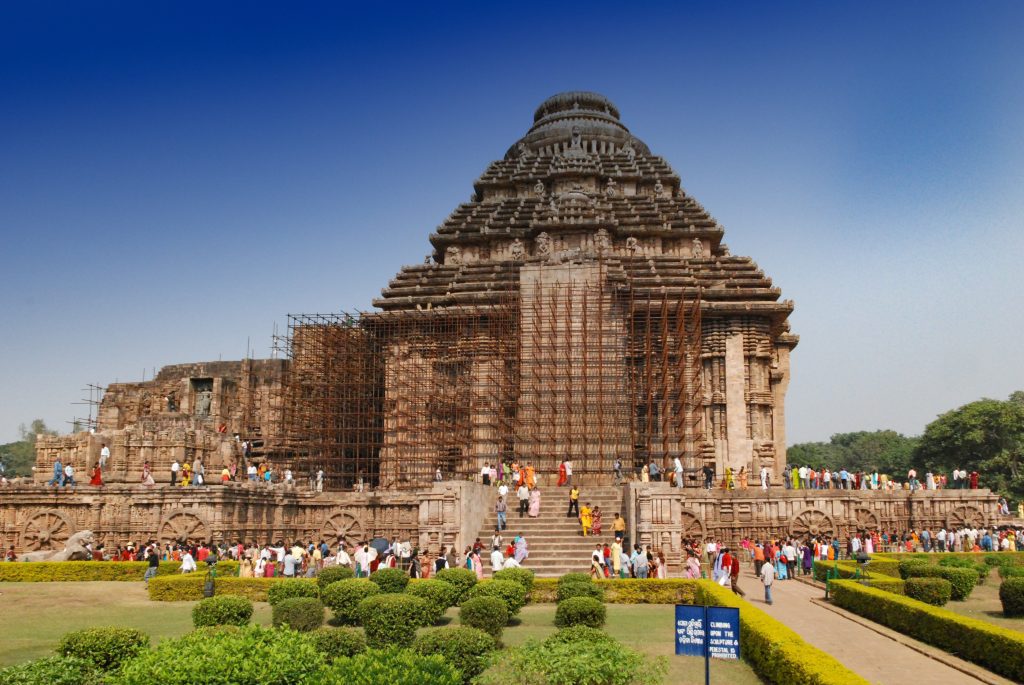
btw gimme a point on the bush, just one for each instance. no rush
(437, 593)
(1011, 594)
(288, 588)
(105, 648)
(918, 570)
(220, 611)
(511, 593)
(390, 579)
(580, 633)
(54, 670)
(488, 614)
(332, 574)
(556, 662)
(577, 611)
(580, 589)
(523, 576)
(189, 587)
(242, 656)
(335, 643)
(343, 597)
(934, 591)
(464, 647)
(299, 613)
(998, 649)
(1011, 571)
(962, 581)
(574, 578)
(70, 571)
(393, 667)
(913, 567)
(461, 578)
(392, 619)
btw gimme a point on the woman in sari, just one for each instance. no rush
(147, 475)
(595, 520)
(692, 565)
(730, 484)
(534, 510)
(586, 519)
(522, 553)
(561, 473)
(531, 476)
(781, 568)
(794, 476)
(645, 474)
(186, 475)
(807, 556)
(97, 476)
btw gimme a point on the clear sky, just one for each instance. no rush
(177, 177)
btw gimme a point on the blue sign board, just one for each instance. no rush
(714, 629)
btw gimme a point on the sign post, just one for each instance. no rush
(711, 632)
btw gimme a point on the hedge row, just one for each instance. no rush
(998, 649)
(775, 652)
(189, 587)
(65, 571)
(988, 558)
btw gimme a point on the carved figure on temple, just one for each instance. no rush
(697, 248)
(602, 241)
(453, 255)
(172, 401)
(632, 245)
(658, 188)
(203, 401)
(576, 141)
(517, 250)
(74, 550)
(426, 260)
(538, 188)
(611, 188)
(628, 149)
(542, 245)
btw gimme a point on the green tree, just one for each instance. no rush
(885, 450)
(19, 457)
(986, 436)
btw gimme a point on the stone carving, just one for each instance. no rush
(576, 140)
(611, 188)
(183, 525)
(204, 399)
(628, 149)
(602, 241)
(865, 519)
(965, 516)
(47, 529)
(811, 523)
(542, 245)
(690, 525)
(75, 549)
(697, 248)
(658, 188)
(341, 525)
(517, 250)
(632, 245)
(538, 188)
(453, 255)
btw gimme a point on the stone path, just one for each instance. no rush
(877, 658)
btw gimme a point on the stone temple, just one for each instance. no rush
(580, 305)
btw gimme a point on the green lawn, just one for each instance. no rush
(984, 604)
(37, 614)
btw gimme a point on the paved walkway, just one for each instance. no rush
(875, 657)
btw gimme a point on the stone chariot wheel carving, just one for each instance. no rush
(46, 529)
(865, 519)
(342, 526)
(812, 523)
(690, 525)
(965, 516)
(183, 525)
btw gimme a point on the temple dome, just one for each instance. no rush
(595, 116)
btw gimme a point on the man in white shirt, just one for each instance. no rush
(188, 564)
(485, 474)
(510, 563)
(711, 549)
(768, 577)
(805, 482)
(764, 478)
(497, 559)
(175, 468)
(104, 456)
(568, 472)
(523, 493)
(503, 491)
(677, 466)
(69, 474)
(288, 480)
(250, 471)
(320, 480)
(289, 565)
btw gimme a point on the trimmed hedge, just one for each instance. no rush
(579, 589)
(70, 571)
(1011, 594)
(298, 613)
(289, 588)
(580, 611)
(523, 576)
(934, 591)
(626, 590)
(998, 649)
(227, 610)
(511, 593)
(344, 596)
(1011, 572)
(54, 670)
(962, 581)
(461, 578)
(574, 578)
(393, 667)
(488, 614)
(104, 648)
(391, 619)
(580, 633)
(189, 587)
(336, 643)
(332, 574)
(437, 593)
(390, 579)
(463, 647)
(773, 650)
(893, 585)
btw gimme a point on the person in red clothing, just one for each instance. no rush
(202, 553)
(734, 576)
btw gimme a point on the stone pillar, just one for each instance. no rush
(740, 447)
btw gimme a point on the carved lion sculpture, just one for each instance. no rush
(74, 550)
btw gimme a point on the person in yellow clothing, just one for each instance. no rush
(574, 502)
(586, 518)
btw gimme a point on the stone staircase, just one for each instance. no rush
(555, 541)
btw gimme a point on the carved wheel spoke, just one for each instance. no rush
(812, 522)
(182, 525)
(344, 526)
(46, 529)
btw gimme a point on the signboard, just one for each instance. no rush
(723, 632)
(689, 630)
(710, 632)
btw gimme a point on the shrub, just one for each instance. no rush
(918, 570)
(1011, 594)
(392, 619)
(437, 593)
(1011, 571)
(393, 667)
(220, 611)
(962, 581)
(580, 633)
(343, 597)
(299, 613)
(243, 656)
(894, 585)
(511, 593)
(335, 643)
(577, 611)
(934, 591)
(911, 567)
(556, 662)
(998, 559)
(523, 576)
(105, 648)
(390, 579)
(461, 578)
(288, 588)
(488, 614)
(54, 670)
(995, 648)
(464, 647)
(190, 587)
(574, 578)
(579, 589)
(332, 574)
(70, 571)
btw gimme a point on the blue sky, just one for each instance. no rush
(177, 177)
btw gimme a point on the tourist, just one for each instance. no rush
(654, 471)
(677, 467)
(662, 573)
(147, 475)
(473, 562)
(501, 509)
(741, 478)
(574, 502)
(497, 559)
(807, 557)
(97, 476)
(595, 521)
(69, 474)
(617, 471)
(153, 563)
(568, 472)
(625, 562)
(493, 473)
(795, 479)
(619, 527)
(104, 455)
(730, 483)
(522, 551)
(764, 478)
(188, 562)
(709, 476)
(638, 562)
(734, 577)
(597, 562)
(789, 551)
(586, 518)
(58, 473)
(768, 577)
(534, 510)
(503, 491)
(531, 476)
(615, 554)
(805, 480)
(523, 493)
(415, 567)
(973, 479)
(645, 474)
(692, 569)
(561, 474)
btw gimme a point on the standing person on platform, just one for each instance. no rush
(768, 577)
(654, 470)
(497, 559)
(617, 470)
(586, 519)
(709, 476)
(534, 510)
(562, 478)
(596, 524)
(568, 472)
(501, 509)
(531, 475)
(175, 468)
(104, 456)
(523, 493)
(616, 559)
(734, 576)
(574, 502)
(764, 478)
(677, 468)
(485, 474)
(619, 527)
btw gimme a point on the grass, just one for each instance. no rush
(36, 615)
(984, 605)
